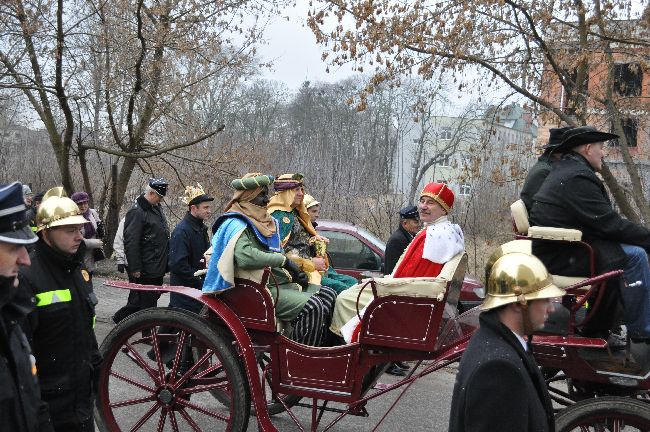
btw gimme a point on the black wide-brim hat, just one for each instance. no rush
(583, 135)
(14, 225)
(555, 137)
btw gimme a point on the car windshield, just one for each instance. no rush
(372, 239)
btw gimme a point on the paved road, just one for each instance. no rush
(425, 407)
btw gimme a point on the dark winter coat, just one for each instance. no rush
(21, 407)
(574, 197)
(395, 247)
(61, 331)
(146, 239)
(536, 176)
(498, 385)
(188, 244)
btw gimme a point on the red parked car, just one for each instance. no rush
(357, 252)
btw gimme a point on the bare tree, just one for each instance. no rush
(528, 46)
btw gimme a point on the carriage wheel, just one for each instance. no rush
(272, 400)
(139, 392)
(605, 414)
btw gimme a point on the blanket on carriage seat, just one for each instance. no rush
(345, 319)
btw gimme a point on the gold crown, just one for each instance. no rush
(192, 192)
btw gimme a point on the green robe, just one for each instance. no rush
(339, 282)
(251, 255)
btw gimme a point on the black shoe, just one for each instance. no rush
(616, 342)
(395, 370)
(402, 365)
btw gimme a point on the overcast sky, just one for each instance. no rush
(296, 56)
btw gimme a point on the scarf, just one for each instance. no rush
(284, 200)
(240, 203)
(89, 228)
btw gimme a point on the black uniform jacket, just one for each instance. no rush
(61, 331)
(572, 196)
(188, 244)
(498, 385)
(21, 408)
(395, 247)
(146, 239)
(535, 178)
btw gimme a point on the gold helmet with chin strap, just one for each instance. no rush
(57, 210)
(518, 277)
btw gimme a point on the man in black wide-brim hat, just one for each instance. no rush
(572, 196)
(538, 172)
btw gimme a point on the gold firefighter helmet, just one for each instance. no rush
(56, 191)
(58, 210)
(518, 277)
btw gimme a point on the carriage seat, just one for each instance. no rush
(522, 228)
(526, 246)
(433, 287)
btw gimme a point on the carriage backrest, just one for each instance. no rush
(412, 319)
(252, 302)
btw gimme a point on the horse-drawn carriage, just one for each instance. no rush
(169, 369)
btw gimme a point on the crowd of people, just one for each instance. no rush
(47, 300)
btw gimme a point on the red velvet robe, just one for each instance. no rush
(412, 264)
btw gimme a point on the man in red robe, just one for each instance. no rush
(438, 242)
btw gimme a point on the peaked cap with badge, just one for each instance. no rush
(410, 212)
(14, 224)
(159, 185)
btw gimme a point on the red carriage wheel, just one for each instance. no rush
(605, 414)
(151, 381)
(276, 403)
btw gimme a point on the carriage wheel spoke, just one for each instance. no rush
(189, 420)
(177, 356)
(618, 425)
(139, 360)
(150, 412)
(203, 388)
(172, 420)
(161, 421)
(218, 367)
(155, 343)
(201, 409)
(132, 381)
(130, 402)
(193, 369)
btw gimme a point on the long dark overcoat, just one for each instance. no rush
(395, 247)
(572, 196)
(146, 239)
(534, 180)
(498, 385)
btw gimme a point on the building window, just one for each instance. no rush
(627, 79)
(445, 134)
(444, 161)
(630, 128)
(465, 189)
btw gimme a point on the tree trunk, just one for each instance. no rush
(119, 183)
